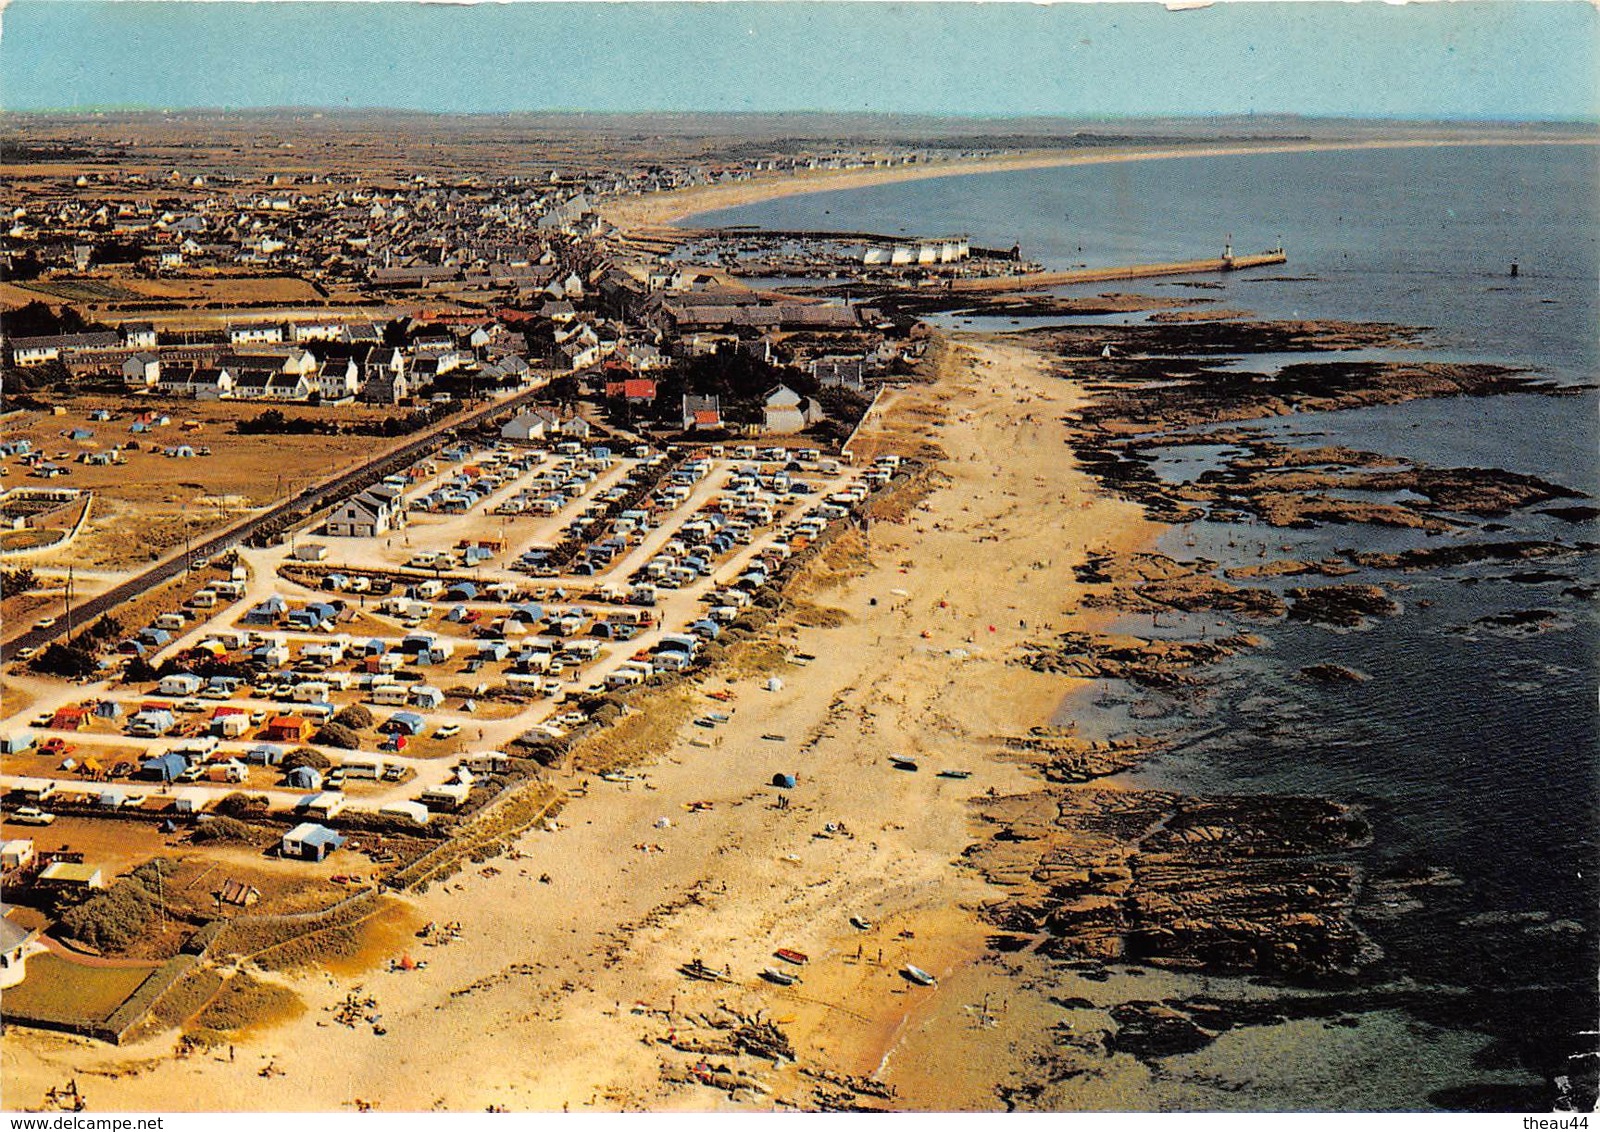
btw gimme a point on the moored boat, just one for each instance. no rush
(790, 955)
(919, 976)
(782, 978)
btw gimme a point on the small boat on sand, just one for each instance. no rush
(901, 762)
(782, 978)
(789, 955)
(955, 774)
(919, 976)
(695, 969)
(861, 922)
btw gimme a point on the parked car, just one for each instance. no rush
(32, 815)
(448, 731)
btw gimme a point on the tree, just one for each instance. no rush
(355, 717)
(17, 582)
(337, 735)
(306, 756)
(66, 660)
(241, 805)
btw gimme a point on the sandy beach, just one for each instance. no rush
(642, 213)
(583, 969)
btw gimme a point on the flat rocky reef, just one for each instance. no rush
(1243, 884)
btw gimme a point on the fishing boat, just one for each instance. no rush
(789, 955)
(861, 922)
(901, 762)
(919, 976)
(782, 978)
(955, 774)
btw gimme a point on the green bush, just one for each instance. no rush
(223, 829)
(114, 918)
(332, 734)
(306, 756)
(239, 805)
(355, 717)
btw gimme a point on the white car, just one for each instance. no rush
(32, 815)
(45, 623)
(448, 731)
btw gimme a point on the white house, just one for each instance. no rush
(141, 371)
(139, 335)
(786, 411)
(16, 944)
(319, 330)
(338, 379)
(531, 425)
(372, 513)
(203, 384)
(257, 332)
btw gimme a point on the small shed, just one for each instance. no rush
(309, 841)
(286, 729)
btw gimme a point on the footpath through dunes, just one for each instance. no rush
(565, 987)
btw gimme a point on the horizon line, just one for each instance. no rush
(1235, 116)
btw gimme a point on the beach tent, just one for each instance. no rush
(786, 781)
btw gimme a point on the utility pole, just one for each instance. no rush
(69, 605)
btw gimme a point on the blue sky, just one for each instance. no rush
(1499, 60)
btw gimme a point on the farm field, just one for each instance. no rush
(148, 505)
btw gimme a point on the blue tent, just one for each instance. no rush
(304, 778)
(404, 723)
(462, 591)
(784, 780)
(165, 768)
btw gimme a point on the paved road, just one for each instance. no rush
(311, 499)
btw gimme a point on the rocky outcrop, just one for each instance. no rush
(1347, 606)
(1145, 661)
(1060, 756)
(1240, 884)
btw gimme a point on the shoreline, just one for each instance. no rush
(612, 925)
(638, 215)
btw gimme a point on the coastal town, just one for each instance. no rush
(456, 602)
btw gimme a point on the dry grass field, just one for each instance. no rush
(152, 503)
(63, 991)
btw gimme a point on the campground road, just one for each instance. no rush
(309, 500)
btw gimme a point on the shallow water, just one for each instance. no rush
(1471, 748)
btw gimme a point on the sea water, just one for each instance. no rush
(1471, 747)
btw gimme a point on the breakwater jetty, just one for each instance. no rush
(1222, 263)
